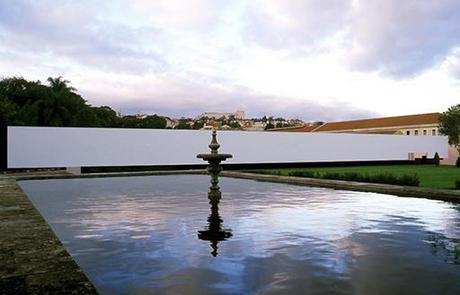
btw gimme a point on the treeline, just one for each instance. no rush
(31, 103)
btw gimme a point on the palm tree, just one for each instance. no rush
(58, 108)
(60, 85)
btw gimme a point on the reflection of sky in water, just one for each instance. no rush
(139, 235)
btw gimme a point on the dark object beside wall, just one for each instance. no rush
(425, 160)
(3, 145)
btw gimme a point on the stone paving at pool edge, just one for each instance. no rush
(33, 260)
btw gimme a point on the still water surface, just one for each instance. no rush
(139, 235)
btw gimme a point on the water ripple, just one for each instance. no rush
(139, 235)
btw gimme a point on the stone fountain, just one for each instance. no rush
(214, 233)
(214, 168)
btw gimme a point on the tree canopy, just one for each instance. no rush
(449, 123)
(30, 103)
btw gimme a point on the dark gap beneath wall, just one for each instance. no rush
(244, 166)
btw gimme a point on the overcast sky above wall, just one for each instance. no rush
(311, 59)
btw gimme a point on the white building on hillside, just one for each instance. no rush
(238, 115)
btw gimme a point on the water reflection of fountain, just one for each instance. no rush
(214, 231)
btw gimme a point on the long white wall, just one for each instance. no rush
(34, 147)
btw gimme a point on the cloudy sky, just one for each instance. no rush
(311, 59)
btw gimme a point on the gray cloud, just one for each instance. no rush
(397, 38)
(295, 23)
(196, 48)
(71, 29)
(403, 38)
(453, 65)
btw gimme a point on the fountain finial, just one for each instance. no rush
(214, 158)
(214, 145)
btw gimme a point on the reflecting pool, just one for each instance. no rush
(153, 235)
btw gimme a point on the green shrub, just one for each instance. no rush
(332, 175)
(436, 159)
(385, 178)
(309, 174)
(270, 172)
(354, 176)
(457, 184)
(410, 180)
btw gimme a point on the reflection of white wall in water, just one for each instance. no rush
(69, 147)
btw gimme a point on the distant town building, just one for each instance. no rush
(255, 126)
(211, 124)
(413, 125)
(239, 115)
(421, 124)
(170, 122)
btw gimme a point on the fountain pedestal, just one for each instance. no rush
(214, 168)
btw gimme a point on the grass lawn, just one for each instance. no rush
(429, 175)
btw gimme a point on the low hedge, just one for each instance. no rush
(385, 178)
(309, 174)
(457, 184)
